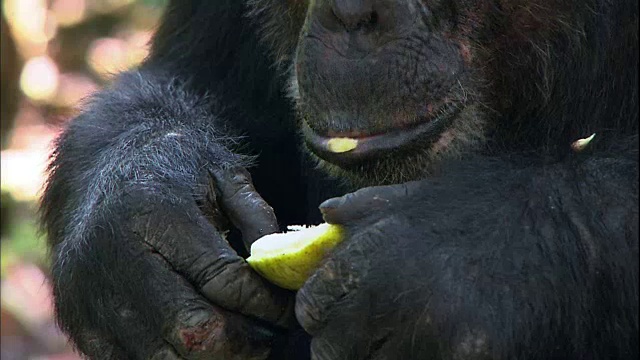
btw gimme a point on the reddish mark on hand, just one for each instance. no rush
(202, 337)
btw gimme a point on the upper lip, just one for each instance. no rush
(378, 144)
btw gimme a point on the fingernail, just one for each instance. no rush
(332, 203)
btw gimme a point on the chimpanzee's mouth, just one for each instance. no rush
(360, 149)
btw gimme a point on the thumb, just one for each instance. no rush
(365, 202)
(242, 204)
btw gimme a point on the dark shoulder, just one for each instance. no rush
(205, 24)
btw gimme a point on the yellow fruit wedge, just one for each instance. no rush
(288, 259)
(340, 145)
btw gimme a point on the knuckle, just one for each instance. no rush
(207, 334)
(241, 178)
(240, 171)
(220, 273)
(248, 197)
(201, 337)
(307, 312)
(368, 191)
(236, 287)
(330, 287)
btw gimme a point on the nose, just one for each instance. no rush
(351, 15)
(354, 14)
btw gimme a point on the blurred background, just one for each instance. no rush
(54, 54)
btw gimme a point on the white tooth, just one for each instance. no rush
(581, 144)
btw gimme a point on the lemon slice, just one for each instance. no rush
(288, 259)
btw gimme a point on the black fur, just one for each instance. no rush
(220, 90)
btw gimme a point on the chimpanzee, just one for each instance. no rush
(483, 219)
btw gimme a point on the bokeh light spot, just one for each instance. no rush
(39, 78)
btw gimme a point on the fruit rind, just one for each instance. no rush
(288, 259)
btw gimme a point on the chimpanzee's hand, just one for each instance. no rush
(347, 305)
(492, 263)
(396, 288)
(159, 280)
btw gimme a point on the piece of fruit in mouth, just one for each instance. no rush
(288, 259)
(340, 145)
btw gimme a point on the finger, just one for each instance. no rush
(340, 279)
(349, 333)
(364, 202)
(329, 287)
(169, 318)
(193, 248)
(199, 330)
(246, 209)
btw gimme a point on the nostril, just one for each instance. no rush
(373, 21)
(373, 18)
(367, 22)
(354, 14)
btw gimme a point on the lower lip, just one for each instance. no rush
(376, 145)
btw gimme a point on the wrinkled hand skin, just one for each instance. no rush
(422, 273)
(161, 283)
(219, 330)
(365, 301)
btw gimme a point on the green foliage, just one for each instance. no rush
(23, 243)
(156, 3)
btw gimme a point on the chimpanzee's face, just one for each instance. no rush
(413, 81)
